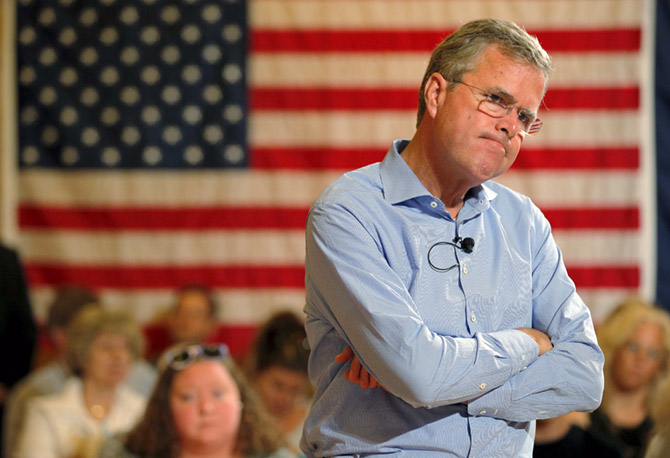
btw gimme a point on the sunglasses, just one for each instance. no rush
(183, 356)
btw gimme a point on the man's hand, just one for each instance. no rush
(356, 373)
(541, 339)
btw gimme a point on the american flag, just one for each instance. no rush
(165, 142)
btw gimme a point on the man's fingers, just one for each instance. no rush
(355, 370)
(365, 378)
(345, 355)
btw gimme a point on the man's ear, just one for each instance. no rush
(435, 87)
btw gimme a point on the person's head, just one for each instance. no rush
(66, 304)
(202, 403)
(635, 339)
(193, 315)
(479, 98)
(279, 363)
(460, 52)
(102, 343)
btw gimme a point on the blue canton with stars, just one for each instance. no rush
(132, 83)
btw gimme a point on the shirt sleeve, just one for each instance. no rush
(352, 287)
(570, 376)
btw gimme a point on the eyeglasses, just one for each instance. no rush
(496, 106)
(181, 357)
(653, 354)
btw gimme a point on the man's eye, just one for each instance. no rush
(524, 119)
(496, 99)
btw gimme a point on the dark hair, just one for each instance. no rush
(204, 291)
(459, 53)
(67, 303)
(281, 342)
(155, 436)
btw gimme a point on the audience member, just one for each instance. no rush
(561, 437)
(635, 340)
(17, 326)
(101, 344)
(201, 406)
(278, 369)
(51, 377)
(191, 319)
(659, 445)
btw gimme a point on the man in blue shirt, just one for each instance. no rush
(448, 287)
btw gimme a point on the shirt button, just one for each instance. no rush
(482, 412)
(523, 357)
(465, 269)
(482, 386)
(473, 317)
(433, 204)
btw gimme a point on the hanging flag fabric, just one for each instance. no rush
(172, 142)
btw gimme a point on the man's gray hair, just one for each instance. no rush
(459, 53)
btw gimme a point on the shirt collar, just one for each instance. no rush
(401, 184)
(399, 181)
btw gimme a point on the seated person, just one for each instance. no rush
(50, 378)
(278, 369)
(201, 406)
(191, 319)
(95, 402)
(635, 340)
(562, 437)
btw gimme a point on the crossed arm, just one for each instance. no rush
(358, 374)
(367, 303)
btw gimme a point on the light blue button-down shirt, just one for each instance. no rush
(436, 337)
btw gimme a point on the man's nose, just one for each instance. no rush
(509, 124)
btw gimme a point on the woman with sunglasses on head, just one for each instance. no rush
(201, 407)
(95, 403)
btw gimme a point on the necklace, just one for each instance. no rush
(97, 411)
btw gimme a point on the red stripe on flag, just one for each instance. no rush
(605, 277)
(613, 98)
(98, 219)
(268, 40)
(150, 219)
(327, 158)
(593, 218)
(332, 99)
(132, 277)
(600, 98)
(251, 276)
(578, 158)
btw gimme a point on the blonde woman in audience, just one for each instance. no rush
(201, 406)
(659, 446)
(635, 340)
(95, 402)
(278, 369)
(51, 377)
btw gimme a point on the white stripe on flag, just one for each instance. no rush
(439, 14)
(403, 69)
(233, 189)
(377, 128)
